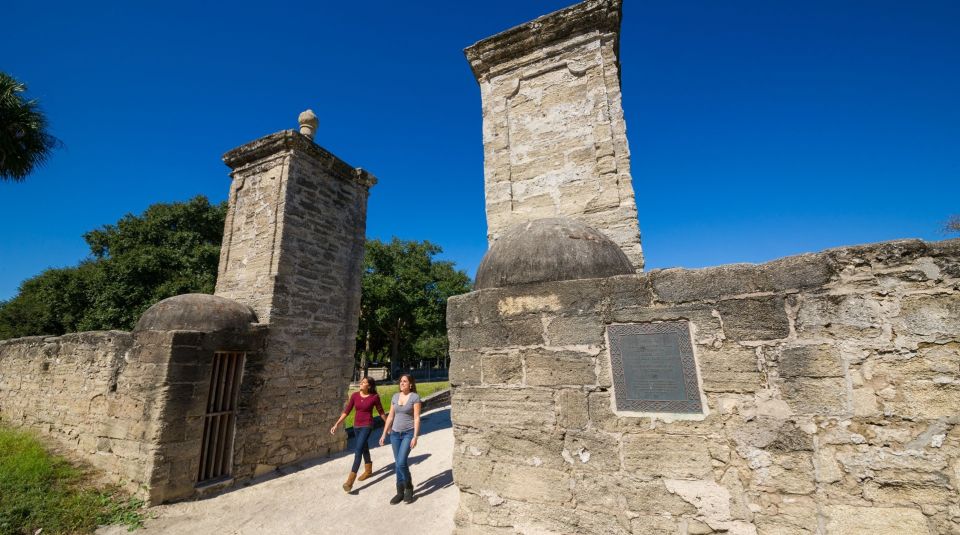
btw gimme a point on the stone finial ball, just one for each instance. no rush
(308, 123)
(552, 249)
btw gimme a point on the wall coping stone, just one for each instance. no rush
(591, 15)
(291, 140)
(798, 272)
(53, 338)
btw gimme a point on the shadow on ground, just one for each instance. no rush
(430, 422)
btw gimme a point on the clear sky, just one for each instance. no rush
(757, 129)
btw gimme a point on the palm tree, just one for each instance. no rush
(24, 141)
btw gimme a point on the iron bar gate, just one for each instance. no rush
(216, 457)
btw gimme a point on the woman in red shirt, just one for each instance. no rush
(364, 402)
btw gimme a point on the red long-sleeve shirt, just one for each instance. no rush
(364, 407)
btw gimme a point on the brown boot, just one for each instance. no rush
(348, 486)
(367, 471)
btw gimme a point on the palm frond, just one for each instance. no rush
(24, 141)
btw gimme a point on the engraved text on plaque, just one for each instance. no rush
(653, 367)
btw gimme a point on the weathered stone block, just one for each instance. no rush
(826, 396)
(502, 368)
(924, 399)
(534, 448)
(929, 362)
(495, 408)
(572, 409)
(463, 309)
(464, 367)
(788, 472)
(575, 330)
(840, 315)
(811, 361)
(935, 316)
(672, 456)
(796, 272)
(682, 285)
(732, 368)
(592, 450)
(552, 368)
(522, 332)
(755, 318)
(513, 481)
(850, 520)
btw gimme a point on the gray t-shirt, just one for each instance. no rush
(403, 414)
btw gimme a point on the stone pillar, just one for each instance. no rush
(554, 137)
(293, 251)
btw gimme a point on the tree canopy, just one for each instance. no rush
(403, 306)
(168, 250)
(24, 141)
(174, 248)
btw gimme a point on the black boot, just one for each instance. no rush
(408, 492)
(396, 499)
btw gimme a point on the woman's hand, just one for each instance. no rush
(333, 430)
(413, 443)
(382, 437)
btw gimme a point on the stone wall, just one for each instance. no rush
(293, 251)
(831, 386)
(85, 393)
(136, 404)
(554, 138)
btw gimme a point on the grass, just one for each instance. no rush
(41, 490)
(386, 392)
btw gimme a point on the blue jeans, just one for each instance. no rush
(361, 448)
(401, 450)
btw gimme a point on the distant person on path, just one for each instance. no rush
(403, 426)
(364, 402)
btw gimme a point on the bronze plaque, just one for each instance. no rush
(653, 367)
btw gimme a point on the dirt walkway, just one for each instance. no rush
(310, 500)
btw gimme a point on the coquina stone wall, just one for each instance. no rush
(70, 388)
(830, 381)
(554, 138)
(133, 404)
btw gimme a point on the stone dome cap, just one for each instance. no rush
(552, 249)
(196, 312)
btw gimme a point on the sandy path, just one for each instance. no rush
(310, 500)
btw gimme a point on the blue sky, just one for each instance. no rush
(757, 129)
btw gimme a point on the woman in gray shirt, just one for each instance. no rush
(403, 426)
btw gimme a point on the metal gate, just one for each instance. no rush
(216, 457)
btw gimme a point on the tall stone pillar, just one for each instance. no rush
(554, 137)
(293, 251)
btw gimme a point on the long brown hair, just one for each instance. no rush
(371, 384)
(410, 379)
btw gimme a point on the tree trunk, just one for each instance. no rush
(395, 353)
(364, 364)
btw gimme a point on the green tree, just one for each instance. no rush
(24, 141)
(404, 301)
(169, 250)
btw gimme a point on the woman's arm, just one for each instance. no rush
(343, 416)
(386, 425)
(379, 406)
(416, 424)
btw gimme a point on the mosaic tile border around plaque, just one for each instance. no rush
(690, 405)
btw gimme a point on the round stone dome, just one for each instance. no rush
(196, 312)
(552, 249)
